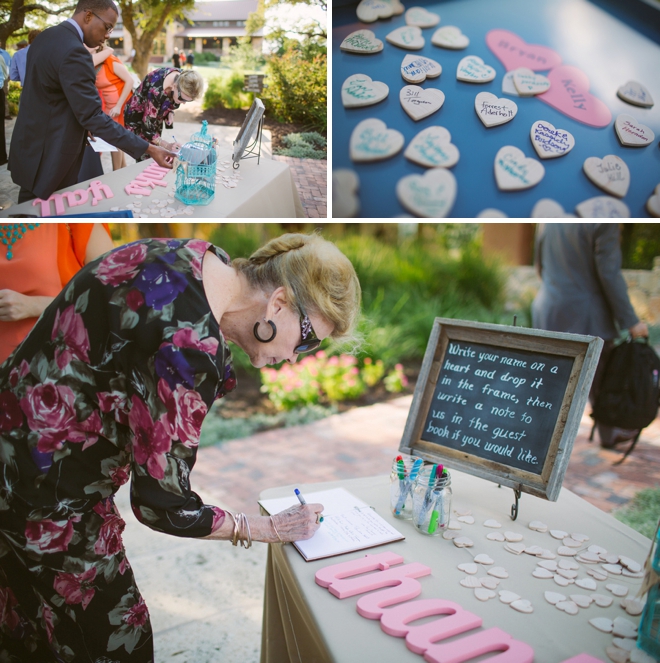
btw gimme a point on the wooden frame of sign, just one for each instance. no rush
(503, 403)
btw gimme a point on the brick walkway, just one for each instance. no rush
(311, 178)
(362, 442)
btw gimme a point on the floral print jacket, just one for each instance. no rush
(114, 380)
(149, 106)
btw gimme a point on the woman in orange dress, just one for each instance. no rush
(36, 261)
(115, 85)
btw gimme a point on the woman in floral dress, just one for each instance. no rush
(113, 383)
(161, 92)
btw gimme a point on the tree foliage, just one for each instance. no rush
(13, 13)
(310, 30)
(144, 20)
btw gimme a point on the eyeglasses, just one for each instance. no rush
(310, 340)
(108, 26)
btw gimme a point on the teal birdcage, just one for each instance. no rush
(648, 635)
(195, 174)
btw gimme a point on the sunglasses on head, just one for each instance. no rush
(310, 340)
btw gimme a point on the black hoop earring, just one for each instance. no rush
(255, 331)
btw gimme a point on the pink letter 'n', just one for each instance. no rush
(484, 642)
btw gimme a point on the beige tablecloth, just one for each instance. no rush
(304, 623)
(266, 190)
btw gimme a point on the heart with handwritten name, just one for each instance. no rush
(602, 207)
(449, 36)
(653, 203)
(514, 171)
(430, 195)
(371, 140)
(546, 208)
(635, 93)
(492, 110)
(407, 36)
(345, 201)
(432, 148)
(362, 41)
(421, 17)
(609, 173)
(416, 69)
(529, 83)
(569, 94)
(514, 52)
(369, 11)
(633, 133)
(549, 142)
(360, 90)
(472, 69)
(419, 102)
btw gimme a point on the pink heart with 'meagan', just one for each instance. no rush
(569, 94)
(513, 52)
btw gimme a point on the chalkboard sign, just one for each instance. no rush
(501, 402)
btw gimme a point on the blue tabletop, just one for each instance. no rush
(610, 43)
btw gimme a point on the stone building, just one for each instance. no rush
(209, 27)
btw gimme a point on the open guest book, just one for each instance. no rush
(349, 524)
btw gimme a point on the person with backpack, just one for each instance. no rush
(583, 292)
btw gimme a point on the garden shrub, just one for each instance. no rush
(297, 87)
(309, 145)
(226, 90)
(205, 57)
(13, 96)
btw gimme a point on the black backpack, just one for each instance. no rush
(630, 390)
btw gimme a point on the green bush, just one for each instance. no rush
(297, 87)
(642, 512)
(226, 90)
(205, 57)
(13, 97)
(310, 145)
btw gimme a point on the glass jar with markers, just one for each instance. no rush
(403, 475)
(432, 500)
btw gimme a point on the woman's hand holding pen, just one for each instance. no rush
(298, 522)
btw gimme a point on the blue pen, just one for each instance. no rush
(301, 499)
(417, 466)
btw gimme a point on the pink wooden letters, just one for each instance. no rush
(372, 606)
(74, 198)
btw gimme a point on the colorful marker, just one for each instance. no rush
(301, 499)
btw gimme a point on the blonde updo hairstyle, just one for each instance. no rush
(315, 275)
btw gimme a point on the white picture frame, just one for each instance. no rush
(248, 129)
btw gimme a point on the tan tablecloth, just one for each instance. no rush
(304, 623)
(266, 190)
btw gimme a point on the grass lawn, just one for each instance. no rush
(642, 512)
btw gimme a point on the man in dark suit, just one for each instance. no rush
(584, 292)
(60, 104)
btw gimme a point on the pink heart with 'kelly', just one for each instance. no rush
(513, 52)
(569, 94)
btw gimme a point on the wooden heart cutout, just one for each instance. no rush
(407, 36)
(472, 69)
(653, 203)
(549, 142)
(602, 207)
(430, 195)
(361, 41)
(514, 52)
(369, 11)
(529, 83)
(371, 140)
(416, 69)
(569, 94)
(635, 93)
(631, 132)
(546, 208)
(359, 90)
(514, 171)
(609, 173)
(419, 102)
(421, 17)
(431, 148)
(449, 36)
(508, 86)
(345, 201)
(493, 111)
